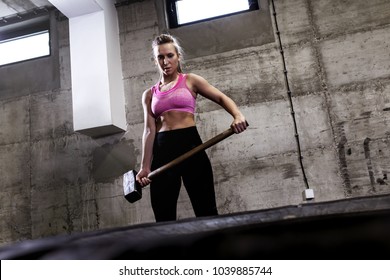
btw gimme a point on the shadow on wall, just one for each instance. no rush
(112, 160)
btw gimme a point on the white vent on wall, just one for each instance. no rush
(97, 84)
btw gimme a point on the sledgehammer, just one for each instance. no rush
(133, 190)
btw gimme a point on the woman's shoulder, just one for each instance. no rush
(191, 75)
(194, 78)
(196, 82)
(148, 90)
(147, 94)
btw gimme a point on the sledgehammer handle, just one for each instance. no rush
(190, 153)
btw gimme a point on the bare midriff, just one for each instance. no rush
(172, 120)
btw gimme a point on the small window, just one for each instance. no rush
(184, 12)
(25, 47)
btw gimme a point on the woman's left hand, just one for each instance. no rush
(239, 124)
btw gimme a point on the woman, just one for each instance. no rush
(170, 131)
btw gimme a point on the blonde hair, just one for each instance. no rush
(166, 39)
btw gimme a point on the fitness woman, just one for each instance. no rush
(170, 131)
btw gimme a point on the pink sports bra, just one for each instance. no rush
(178, 98)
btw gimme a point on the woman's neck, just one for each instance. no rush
(166, 79)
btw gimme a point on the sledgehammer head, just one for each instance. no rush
(132, 189)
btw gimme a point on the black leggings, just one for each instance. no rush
(196, 173)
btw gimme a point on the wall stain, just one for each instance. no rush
(364, 116)
(289, 171)
(367, 155)
(343, 160)
(64, 129)
(112, 160)
(232, 202)
(382, 181)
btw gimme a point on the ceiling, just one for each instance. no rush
(13, 7)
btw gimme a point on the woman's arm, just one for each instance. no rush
(147, 139)
(201, 86)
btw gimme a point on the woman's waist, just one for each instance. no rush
(174, 120)
(171, 144)
(177, 140)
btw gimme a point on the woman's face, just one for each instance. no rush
(167, 59)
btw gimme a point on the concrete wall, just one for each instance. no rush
(55, 181)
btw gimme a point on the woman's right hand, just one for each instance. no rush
(142, 177)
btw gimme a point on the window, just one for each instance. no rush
(24, 36)
(184, 12)
(24, 47)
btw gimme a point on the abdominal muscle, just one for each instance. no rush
(172, 120)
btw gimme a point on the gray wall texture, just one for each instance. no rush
(54, 181)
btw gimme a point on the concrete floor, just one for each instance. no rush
(357, 228)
